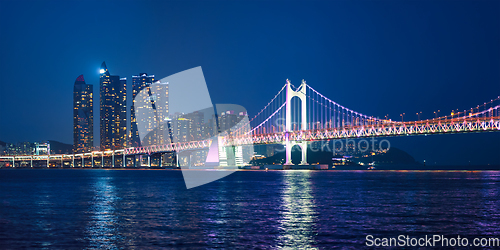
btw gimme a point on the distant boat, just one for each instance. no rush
(371, 168)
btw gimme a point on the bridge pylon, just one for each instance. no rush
(301, 94)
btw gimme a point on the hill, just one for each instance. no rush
(60, 148)
(393, 156)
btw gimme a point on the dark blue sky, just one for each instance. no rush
(376, 57)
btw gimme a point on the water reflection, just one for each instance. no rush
(489, 216)
(102, 229)
(216, 215)
(96, 209)
(44, 208)
(298, 215)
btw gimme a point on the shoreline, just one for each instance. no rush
(273, 170)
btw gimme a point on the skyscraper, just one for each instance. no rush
(152, 107)
(83, 117)
(113, 110)
(139, 82)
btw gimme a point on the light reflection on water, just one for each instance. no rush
(102, 228)
(297, 211)
(216, 212)
(43, 209)
(110, 209)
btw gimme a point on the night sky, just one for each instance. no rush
(375, 57)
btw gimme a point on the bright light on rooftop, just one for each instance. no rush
(101, 71)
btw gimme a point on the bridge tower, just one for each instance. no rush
(301, 94)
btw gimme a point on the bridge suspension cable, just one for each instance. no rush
(268, 104)
(326, 113)
(487, 109)
(264, 122)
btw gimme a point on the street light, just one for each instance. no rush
(436, 114)
(418, 114)
(402, 117)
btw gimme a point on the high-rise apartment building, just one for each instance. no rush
(139, 82)
(83, 118)
(149, 110)
(113, 110)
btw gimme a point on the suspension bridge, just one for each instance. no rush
(294, 116)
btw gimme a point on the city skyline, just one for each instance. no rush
(123, 83)
(235, 134)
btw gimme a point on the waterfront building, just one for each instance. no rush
(113, 110)
(149, 112)
(27, 148)
(197, 125)
(83, 118)
(42, 148)
(210, 127)
(139, 82)
(181, 129)
(229, 119)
